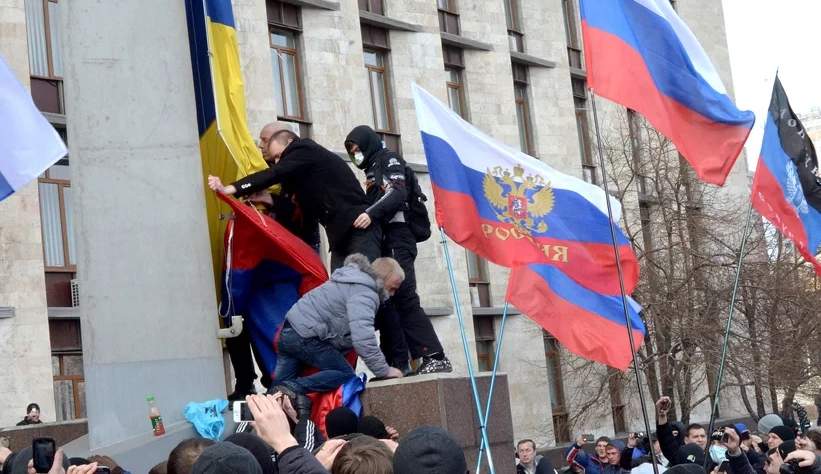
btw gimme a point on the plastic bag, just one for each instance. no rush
(207, 417)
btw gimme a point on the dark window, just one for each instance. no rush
(617, 404)
(67, 368)
(478, 280)
(454, 57)
(552, 354)
(285, 65)
(375, 37)
(485, 337)
(520, 86)
(283, 14)
(448, 17)
(646, 222)
(515, 34)
(373, 6)
(574, 53)
(57, 223)
(589, 171)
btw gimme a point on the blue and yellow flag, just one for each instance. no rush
(226, 145)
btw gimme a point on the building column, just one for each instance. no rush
(25, 347)
(148, 307)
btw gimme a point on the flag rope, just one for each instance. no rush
(493, 381)
(729, 324)
(636, 365)
(482, 424)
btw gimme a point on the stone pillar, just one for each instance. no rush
(24, 338)
(148, 307)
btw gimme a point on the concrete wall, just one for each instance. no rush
(24, 339)
(147, 305)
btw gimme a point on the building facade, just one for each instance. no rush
(513, 68)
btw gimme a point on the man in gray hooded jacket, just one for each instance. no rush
(332, 319)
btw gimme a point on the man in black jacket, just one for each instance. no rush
(387, 195)
(326, 188)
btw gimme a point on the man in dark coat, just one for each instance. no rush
(32, 415)
(387, 194)
(326, 188)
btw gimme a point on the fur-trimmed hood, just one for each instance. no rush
(357, 269)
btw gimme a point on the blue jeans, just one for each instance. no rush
(296, 352)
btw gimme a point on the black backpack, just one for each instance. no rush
(417, 214)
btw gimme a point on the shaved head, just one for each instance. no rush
(266, 133)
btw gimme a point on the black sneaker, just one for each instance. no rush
(433, 366)
(239, 395)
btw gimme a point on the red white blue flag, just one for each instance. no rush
(640, 54)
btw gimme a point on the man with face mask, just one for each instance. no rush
(326, 188)
(387, 195)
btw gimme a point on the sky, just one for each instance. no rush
(765, 35)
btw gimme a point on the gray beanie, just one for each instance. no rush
(226, 458)
(769, 422)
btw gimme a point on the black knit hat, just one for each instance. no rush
(257, 447)
(786, 448)
(341, 421)
(226, 458)
(783, 432)
(431, 450)
(32, 406)
(691, 453)
(374, 427)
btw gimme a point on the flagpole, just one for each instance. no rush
(729, 321)
(493, 381)
(636, 366)
(482, 425)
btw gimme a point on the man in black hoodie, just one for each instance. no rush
(327, 189)
(387, 194)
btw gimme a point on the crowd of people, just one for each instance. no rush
(372, 239)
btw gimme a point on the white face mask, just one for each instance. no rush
(358, 158)
(718, 454)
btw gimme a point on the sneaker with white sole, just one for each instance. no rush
(433, 366)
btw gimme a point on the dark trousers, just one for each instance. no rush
(239, 349)
(296, 352)
(368, 242)
(404, 310)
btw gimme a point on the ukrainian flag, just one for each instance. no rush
(227, 147)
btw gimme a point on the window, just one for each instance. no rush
(67, 369)
(376, 50)
(453, 80)
(514, 30)
(574, 53)
(283, 14)
(286, 74)
(589, 171)
(647, 235)
(485, 336)
(45, 54)
(522, 109)
(373, 6)
(57, 224)
(448, 17)
(552, 354)
(616, 403)
(478, 279)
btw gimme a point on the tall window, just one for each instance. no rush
(520, 84)
(376, 51)
(617, 404)
(514, 29)
(647, 235)
(454, 66)
(574, 53)
(373, 6)
(552, 355)
(283, 28)
(45, 54)
(478, 279)
(589, 172)
(448, 17)
(57, 224)
(67, 369)
(633, 126)
(485, 337)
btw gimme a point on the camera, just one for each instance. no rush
(789, 467)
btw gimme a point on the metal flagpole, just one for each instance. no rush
(636, 366)
(493, 382)
(729, 322)
(482, 424)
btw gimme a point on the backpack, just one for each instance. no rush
(416, 215)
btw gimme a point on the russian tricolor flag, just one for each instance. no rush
(550, 228)
(787, 187)
(29, 145)
(640, 54)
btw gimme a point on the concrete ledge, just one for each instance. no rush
(529, 60)
(466, 43)
(64, 313)
(438, 310)
(63, 432)
(6, 312)
(383, 21)
(55, 119)
(578, 73)
(495, 311)
(323, 4)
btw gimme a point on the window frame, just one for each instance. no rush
(369, 6)
(617, 405)
(459, 90)
(451, 12)
(385, 84)
(272, 27)
(487, 340)
(49, 47)
(75, 380)
(61, 184)
(552, 353)
(482, 283)
(523, 103)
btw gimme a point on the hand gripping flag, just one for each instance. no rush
(787, 186)
(29, 145)
(639, 53)
(551, 228)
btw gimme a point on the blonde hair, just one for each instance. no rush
(363, 455)
(386, 266)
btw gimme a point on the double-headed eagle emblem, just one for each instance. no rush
(519, 200)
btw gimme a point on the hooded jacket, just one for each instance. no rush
(341, 312)
(388, 197)
(326, 186)
(590, 463)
